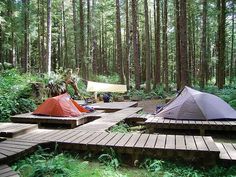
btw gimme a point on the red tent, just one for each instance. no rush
(62, 106)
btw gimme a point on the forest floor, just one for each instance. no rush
(149, 106)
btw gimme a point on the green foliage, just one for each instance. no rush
(15, 93)
(120, 128)
(110, 159)
(111, 79)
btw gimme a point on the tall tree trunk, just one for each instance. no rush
(127, 40)
(203, 46)
(157, 80)
(165, 47)
(119, 44)
(43, 50)
(232, 46)
(183, 44)
(221, 4)
(88, 38)
(148, 48)
(66, 58)
(135, 45)
(26, 36)
(49, 36)
(75, 26)
(81, 40)
(177, 41)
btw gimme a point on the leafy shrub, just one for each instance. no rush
(110, 159)
(121, 128)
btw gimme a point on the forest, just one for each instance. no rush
(154, 48)
(169, 43)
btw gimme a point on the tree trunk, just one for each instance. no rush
(221, 4)
(183, 44)
(232, 47)
(119, 56)
(88, 38)
(135, 45)
(177, 41)
(49, 36)
(147, 49)
(75, 26)
(165, 47)
(81, 40)
(66, 58)
(26, 36)
(127, 39)
(157, 80)
(203, 47)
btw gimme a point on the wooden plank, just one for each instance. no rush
(141, 141)
(210, 143)
(223, 153)
(151, 141)
(74, 137)
(83, 137)
(161, 141)
(190, 143)
(170, 142)
(231, 150)
(106, 139)
(98, 139)
(92, 137)
(115, 139)
(3, 166)
(180, 142)
(132, 141)
(5, 170)
(123, 140)
(16, 146)
(68, 136)
(10, 174)
(201, 145)
(2, 155)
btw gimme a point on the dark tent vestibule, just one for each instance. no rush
(191, 104)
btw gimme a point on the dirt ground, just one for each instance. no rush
(149, 106)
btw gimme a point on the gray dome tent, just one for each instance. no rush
(191, 104)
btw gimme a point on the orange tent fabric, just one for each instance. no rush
(61, 106)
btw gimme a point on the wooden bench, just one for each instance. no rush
(113, 106)
(72, 122)
(14, 129)
(6, 171)
(155, 123)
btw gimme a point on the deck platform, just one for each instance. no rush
(72, 122)
(154, 123)
(14, 129)
(113, 106)
(227, 152)
(6, 171)
(189, 148)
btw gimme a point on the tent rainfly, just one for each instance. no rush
(60, 106)
(191, 104)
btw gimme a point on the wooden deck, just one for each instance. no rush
(227, 152)
(72, 122)
(155, 123)
(113, 106)
(6, 171)
(189, 148)
(14, 129)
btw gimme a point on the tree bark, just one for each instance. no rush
(165, 47)
(75, 26)
(183, 44)
(135, 45)
(232, 74)
(221, 4)
(148, 48)
(119, 56)
(49, 36)
(203, 68)
(26, 36)
(157, 80)
(127, 40)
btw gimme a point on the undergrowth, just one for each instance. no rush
(45, 164)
